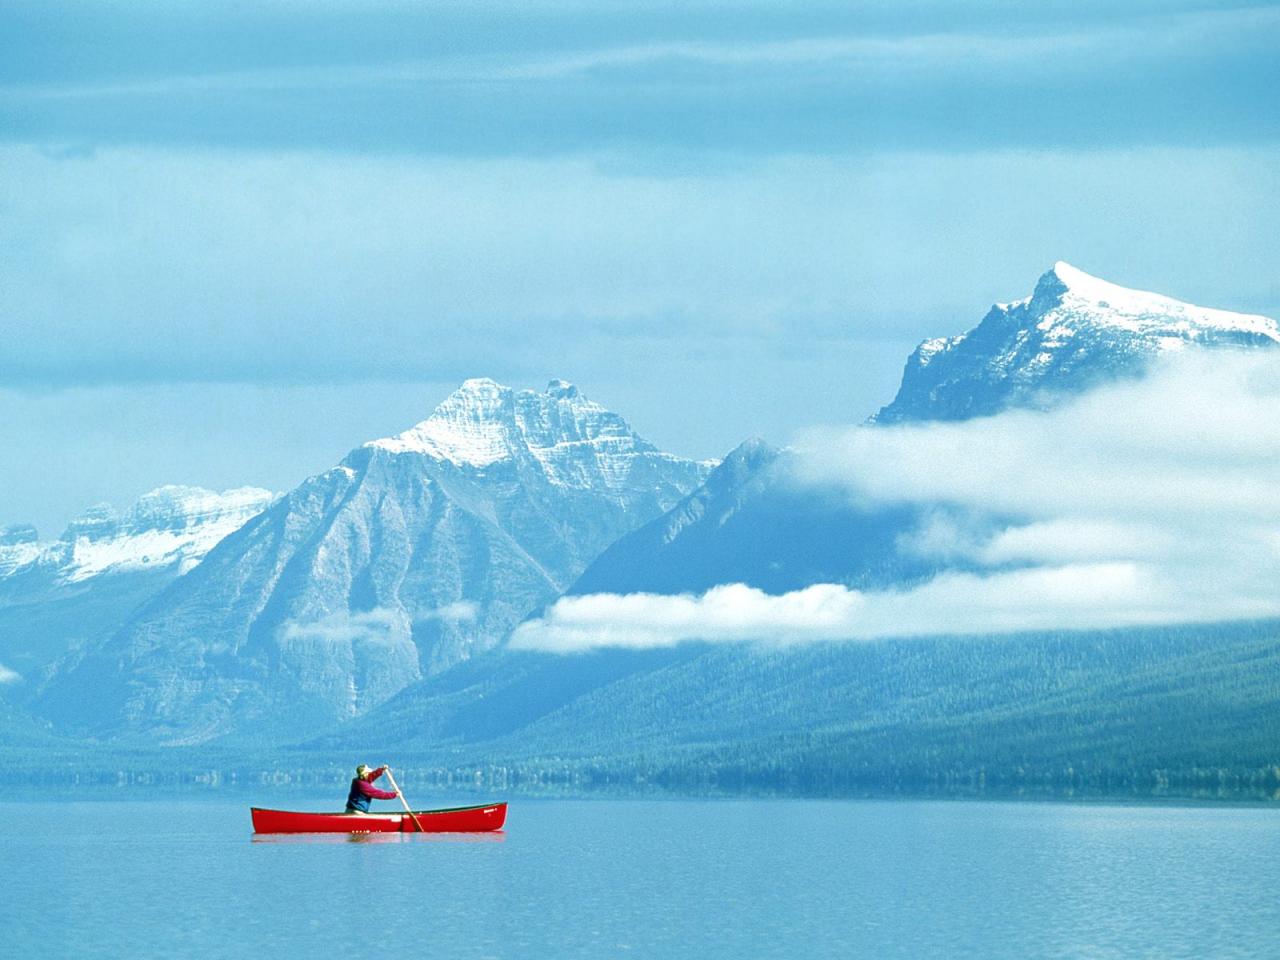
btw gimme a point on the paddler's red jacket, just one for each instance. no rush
(363, 790)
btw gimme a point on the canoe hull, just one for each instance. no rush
(483, 819)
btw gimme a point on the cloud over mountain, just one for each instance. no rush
(1150, 501)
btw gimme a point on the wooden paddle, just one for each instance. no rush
(396, 787)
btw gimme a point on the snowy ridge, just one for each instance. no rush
(18, 554)
(1084, 296)
(470, 428)
(1074, 331)
(576, 442)
(172, 525)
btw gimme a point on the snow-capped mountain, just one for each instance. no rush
(749, 524)
(413, 553)
(1073, 332)
(170, 526)
(82, 586)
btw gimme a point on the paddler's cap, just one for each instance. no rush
(363, 769)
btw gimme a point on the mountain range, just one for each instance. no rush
(413, 554)
(377, 595)
(69, 593)
(750, 523)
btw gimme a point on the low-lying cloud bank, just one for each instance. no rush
(1079, 596)
(1152, 501)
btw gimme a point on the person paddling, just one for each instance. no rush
(363, 790)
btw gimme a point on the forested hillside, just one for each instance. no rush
(1108, 709)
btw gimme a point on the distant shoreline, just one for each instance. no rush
(156, 773)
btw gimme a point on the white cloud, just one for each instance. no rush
(1078, 596)
(1197, 440)
(381, 624)
(1063, 541)
(460, 611)
(9, 676)
(1147, 502)
(890, 53)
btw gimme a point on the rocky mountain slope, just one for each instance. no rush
(411, 555)
(750, 524)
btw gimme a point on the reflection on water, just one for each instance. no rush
(495, 836)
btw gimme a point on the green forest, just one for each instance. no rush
(1187, 711)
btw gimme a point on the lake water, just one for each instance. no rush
(668, 879)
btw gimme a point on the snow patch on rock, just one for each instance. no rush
(169, 526)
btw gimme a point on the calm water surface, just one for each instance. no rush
(697, 879)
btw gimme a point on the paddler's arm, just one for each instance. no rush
(369, 790)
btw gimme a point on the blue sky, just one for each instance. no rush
(238, 240)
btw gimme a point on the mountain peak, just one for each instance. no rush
(753, 451)
(470, 427)
(1064, 283)
(1060, 279)
(1081, 297)
(475, 393)
(96, 521)
(561, 390)
(484, 422)
(1074, 331)
(1071, 276)
(480, 385)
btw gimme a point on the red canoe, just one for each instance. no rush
(452, 820)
